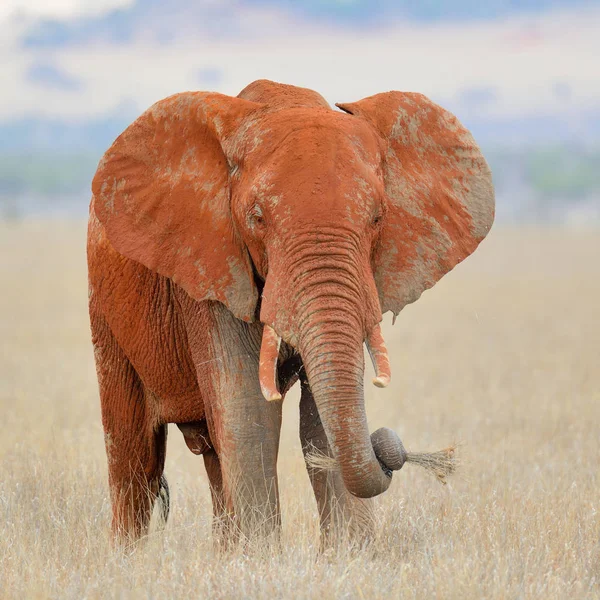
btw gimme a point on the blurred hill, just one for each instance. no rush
(520, 75)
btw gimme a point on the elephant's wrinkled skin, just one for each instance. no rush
(214, 218)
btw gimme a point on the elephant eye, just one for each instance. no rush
(377, 219)
(256, 216)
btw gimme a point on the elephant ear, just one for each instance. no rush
(162, 193)
(440, 191)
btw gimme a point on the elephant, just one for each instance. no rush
(237, 245)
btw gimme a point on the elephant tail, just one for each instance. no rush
(164, 499)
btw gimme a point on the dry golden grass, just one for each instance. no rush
(501, 356)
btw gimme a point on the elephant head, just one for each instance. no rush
(313, 220)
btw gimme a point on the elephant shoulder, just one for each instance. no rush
(102, 257)
(281, 95)
(114, 279)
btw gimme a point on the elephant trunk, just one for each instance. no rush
(335, 369)
(330, 325)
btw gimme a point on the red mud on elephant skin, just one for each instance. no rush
(220, 226)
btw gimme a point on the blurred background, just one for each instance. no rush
(501, 355)
(522, 75)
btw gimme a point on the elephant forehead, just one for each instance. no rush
(320, 171)
(313, 133)
(318, 197)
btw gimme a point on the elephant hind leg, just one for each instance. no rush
(136, 455)
(135, 443)
(136, 462)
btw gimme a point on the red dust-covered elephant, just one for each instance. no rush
(237, 245)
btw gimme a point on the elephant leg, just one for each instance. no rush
(341, 514)
(135, 444)
(222, 519)
(244, 427)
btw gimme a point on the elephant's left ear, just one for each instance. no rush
(440, 191)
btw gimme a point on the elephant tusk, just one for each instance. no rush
(379, 356)
(267, 367)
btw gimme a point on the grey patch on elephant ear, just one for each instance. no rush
(482, 189)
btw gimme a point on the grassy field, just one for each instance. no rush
(502, 356)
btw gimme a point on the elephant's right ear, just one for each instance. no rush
(162, 193)
(439, 190)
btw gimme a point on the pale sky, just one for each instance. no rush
(517, 67)
(58, 8)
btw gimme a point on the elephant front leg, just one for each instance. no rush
(247, 434)
(244, 428)
(342, 515)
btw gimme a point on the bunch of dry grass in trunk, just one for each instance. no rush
(442, 463)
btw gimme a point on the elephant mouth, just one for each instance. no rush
(269, 354)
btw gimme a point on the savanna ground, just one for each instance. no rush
(502, 356)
